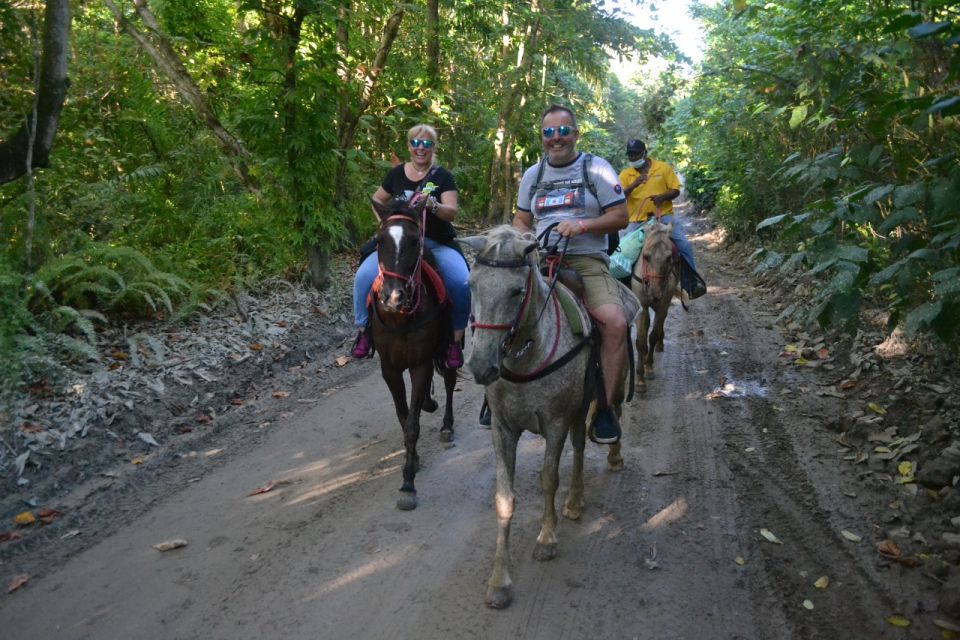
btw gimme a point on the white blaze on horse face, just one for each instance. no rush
(396, 232)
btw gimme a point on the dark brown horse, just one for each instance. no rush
(656, 276)
(411, 327)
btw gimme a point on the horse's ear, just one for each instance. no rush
(477, 243)
(530, 247)
(380, 209)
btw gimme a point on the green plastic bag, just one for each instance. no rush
(621, 260)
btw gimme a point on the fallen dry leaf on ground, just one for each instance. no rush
(47, 515)
(280, 394)
(342, 360)
(822, 582)
(768, 535)
(17, 582)
(6, 536)
(267, 487)
(170, 544)
(852, 537)
(898, 621)
(24, 519)
(270, 486)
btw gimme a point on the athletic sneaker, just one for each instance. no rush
(605, 428)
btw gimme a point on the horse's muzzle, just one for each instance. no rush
(394, 300)
(483, 375)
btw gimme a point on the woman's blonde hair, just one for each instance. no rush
(422, 131)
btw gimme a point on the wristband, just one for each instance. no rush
(583, 227)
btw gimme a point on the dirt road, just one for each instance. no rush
(722, 445)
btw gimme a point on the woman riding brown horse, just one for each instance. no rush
(411, 328)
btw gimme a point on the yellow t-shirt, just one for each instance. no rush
(660, 179)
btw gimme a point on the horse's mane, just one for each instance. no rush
(505, 242)
(397, 206)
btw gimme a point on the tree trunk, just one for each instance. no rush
(433, 44)
(49, 101)
(350, 117)
(514, 90)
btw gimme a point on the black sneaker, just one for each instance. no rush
(697, 290)
(486, 418)
(605, 428)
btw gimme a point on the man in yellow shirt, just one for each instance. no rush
(651, 185)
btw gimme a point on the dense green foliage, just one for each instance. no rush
(826, 131)
(298, 107)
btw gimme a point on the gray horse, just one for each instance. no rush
(655, 278)
(534, 365)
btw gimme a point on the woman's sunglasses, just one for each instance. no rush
(563, 130)
(417, 142)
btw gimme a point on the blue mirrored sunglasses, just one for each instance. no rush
(417, 142)
(563, 130)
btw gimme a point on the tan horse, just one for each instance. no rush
(533, 365)
(656, 276)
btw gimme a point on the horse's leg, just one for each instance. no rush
(499, 586)
(398, 390)
(573, 507)
(643, 327)
(449, 382)
(546, 548)
(420, 377)
(656, 334)
(651, 345)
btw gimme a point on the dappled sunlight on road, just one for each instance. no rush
(376, 565)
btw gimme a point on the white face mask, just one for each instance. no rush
(636, 164)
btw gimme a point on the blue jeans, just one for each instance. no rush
(679, 238)
(453, 271)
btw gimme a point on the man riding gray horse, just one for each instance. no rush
(585, 204)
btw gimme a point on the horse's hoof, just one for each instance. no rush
(641, 386)
(573, 513)
(659, 348)
(498, 598)
(430, 405)
(544, 552)
(650, 373)
(613, 466)
(446, 435)
(407, 502)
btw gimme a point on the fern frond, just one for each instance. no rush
(123, 258)
(68, 316)
(157, 292)
(95, 274)
(77, 294)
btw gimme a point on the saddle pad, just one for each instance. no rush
(576, 313)
(631, 305)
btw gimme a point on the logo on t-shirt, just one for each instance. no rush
(617, 189)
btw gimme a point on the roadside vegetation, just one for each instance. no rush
(201, 147)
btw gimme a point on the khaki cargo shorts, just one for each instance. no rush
(600, 287)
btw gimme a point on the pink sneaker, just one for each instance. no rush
(454, 356)
(361, 348)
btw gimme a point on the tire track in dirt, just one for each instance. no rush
(776, 490)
